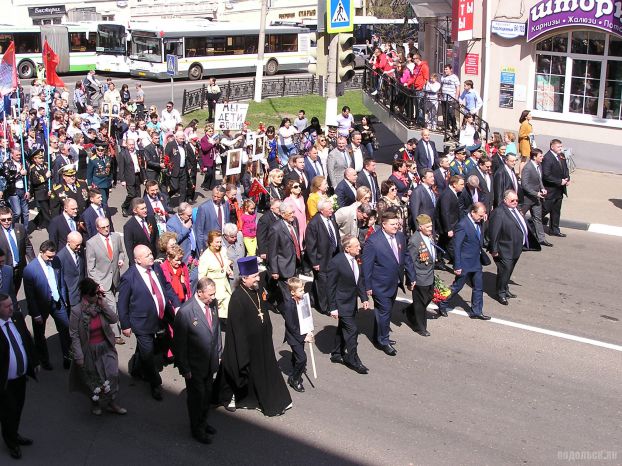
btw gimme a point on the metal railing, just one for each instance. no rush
(233, 91)
(419, 109)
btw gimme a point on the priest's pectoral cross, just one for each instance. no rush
(260, 314)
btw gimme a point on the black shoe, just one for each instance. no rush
(125, 213)
(480, 316)
(23, 441)
(156, 393)
(423, 333)
(45, 365)
(392, 342)
(442, 312)
(546, 243)
(510, 295)
(296, 384)
(66, 363)
(15, 451)
(202, 437)
(336, 358)
(558, 233)
(210, 430)
(359, 368)
(502, 300)
(388, 350)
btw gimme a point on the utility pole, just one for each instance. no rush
(331, 79)
(260, 50)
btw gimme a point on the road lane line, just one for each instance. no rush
(531, 328)
(605, 229)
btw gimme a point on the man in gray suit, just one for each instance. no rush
(421, 249)
(338, 160)
(198, 347)
(351, 219)
(105, 255)
(534, 193)
(72, 262)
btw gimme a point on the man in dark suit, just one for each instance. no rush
(211, 215)
(357, 150)
(156, 199)
(264, 226)
(322, 242)
(197, 347)
(181, 224)
(284, 251)
(423, 199)
(179, 151)
(73, 265)
(130, 174)
(426, 155)
(15, 243)
(63, 224)
(154, 157)
(468, 264)
(298, 174)
(421, 249)
(346, 189)
(139, 229)
(145, 306)
(442, 174)
(448, 210)
(385, 259)
(96, 209)
(556, 178)
(470, 195)
(345, 286)
(504, 179)
(313, 165)
(6, 280)
(367, 177)
(508, 235)
(534, 193)
(46, 295)
(483, 171)
(18, 359)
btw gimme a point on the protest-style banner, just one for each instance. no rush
(230, 116)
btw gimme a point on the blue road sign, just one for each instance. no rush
(340, 16)
(171, 65)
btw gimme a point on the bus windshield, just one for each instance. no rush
(146, 48)
(111, 39)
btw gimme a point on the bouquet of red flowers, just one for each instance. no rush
(441, 291)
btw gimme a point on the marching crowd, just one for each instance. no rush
(196, 283)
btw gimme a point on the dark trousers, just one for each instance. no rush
(61, 319)
(320, 285)
(383, 305)
(346, 339)
(145, 356)
(447, 244)
(553, 208)
(42, 220)
(19, 206)
(505, 267)
(12, 399)
(299, 359)
(477, 292)
(199, 395)
(179, 185)
(417, 315)
(209, 178)
(535, 207)
(211, 108)
(133, 190)
(449, 116)
(18, 273)
(296, 341)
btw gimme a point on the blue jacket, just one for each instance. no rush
(183, 234)
(37, 290)
(467, 246)
(207, 221)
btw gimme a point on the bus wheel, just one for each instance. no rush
(26, 69)
(195, 72)
(272, 67)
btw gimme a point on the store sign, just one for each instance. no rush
(549, 15)
(506, 87)
(471, 64)
(39, 11)
(462, 28)
(507, 29)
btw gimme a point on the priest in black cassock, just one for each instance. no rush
(250, 376)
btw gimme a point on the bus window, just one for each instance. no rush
(282, 43)
(196, 46)
(251, 44)
(173, 48)
(27, 42)
(235, 45)
(216, 46)
(80, 42)
(92, 42)
(5, 41)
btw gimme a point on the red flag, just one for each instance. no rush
(256, 189)
(51, 61)
(8, 71)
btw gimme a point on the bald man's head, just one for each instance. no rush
(74, 241)
(143, 256)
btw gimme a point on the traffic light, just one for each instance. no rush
(345, 58)
(319, 57)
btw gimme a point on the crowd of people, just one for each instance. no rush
(307, 224)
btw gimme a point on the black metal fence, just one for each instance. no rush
(233, 91)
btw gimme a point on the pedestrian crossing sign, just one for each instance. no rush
(340, 15)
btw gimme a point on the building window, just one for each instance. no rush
(579, 72)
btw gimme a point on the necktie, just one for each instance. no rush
(145, 230)
(100, 212)
(331, 233)
(156, 292)
(539, 172)
(513, 176)
(292, 233)
(72, 224)
(431, 193)
(193, 241)
(478, 230)
(19, 356)
(108, 248)
(219, 213)
(13, 244)
(520, 223)
(355, 269)
(73, 188)
(447, 176)
(475, 196)
(394, 247)
(373, 187)
(208, 316)
(318, 168)
(429, 151)
(345, 158)
(52, 282)
(77, 259)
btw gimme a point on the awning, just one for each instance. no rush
(431, 8)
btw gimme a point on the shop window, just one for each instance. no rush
(579, 72)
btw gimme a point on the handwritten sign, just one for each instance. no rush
(230, 116)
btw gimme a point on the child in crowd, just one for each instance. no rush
(249, 227)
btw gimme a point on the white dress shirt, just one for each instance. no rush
(145, 276)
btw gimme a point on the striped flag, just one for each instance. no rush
(8, 71)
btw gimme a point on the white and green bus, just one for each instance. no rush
(215, 48)
(73, 43)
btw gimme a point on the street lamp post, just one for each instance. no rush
(260, 50)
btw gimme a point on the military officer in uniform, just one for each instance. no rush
(407, 151)
(457, 165)
(99, 171)
(39, 188)
(69, 188)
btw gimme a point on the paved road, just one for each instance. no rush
(472, 393)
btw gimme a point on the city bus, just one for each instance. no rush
(73, 43)
(111, 47)
(215, 48)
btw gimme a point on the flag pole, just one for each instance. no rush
(21, 140)
(47, 133)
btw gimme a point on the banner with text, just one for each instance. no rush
(230, 116)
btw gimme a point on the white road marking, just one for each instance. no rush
(531, 328)
(605, 229)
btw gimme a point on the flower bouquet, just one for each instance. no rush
(101, 390)
(193, 263)
(441, 291)
(333, 199)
